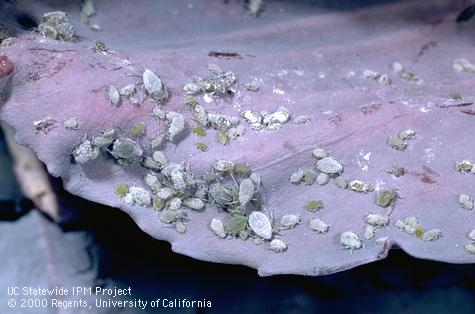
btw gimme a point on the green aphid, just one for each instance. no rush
(309, 177)
(158, 203)
(169, 216)
(455, 96)
(223, 138)
(419, 232)
(202, 146)
(386, 198)
(396, 143)
(122, 190)
(199, 131)
(241, 169)
(138, 129)
(314, 205)
(210, 177)
(236, 225)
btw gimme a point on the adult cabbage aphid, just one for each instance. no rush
(465, 201)
(319, 153)
(377, 220)
(323, 178)
(200, 115)
(180, 227)
(157, 161)
(202, 146)
(341, 182)
(246, 191)
(153, 182)
(113, 95)
(44, 125)
(127, 91)
(470, 248)
(329, 165)
(350, 241)
(218, 228)
(464, 166)
(297, 176)
(318, 226)
(71, 124)
(369, 232)
(140, 196)
(85, 152)
(396, 143)
(289, 221)
(301, 119)
(260, 225)
(178, 179)
(170, 216)
(125, 150)
(360, 186)
(104, 139)
(177, 125)
(407, 134)
(223, 165)
(194, 203)
(432, 235)
(154, 86)
(256, 179)
(278, 246)
(165, 193)
(175, 203)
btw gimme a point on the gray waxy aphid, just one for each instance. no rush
(170, 216)
(85, 152)
(113, 95)
(127, 150)
(154, 86)
(465, 201)
(177, 125)
(323, 178)
(246, 191)
(289, 221)
(140, 196)
(377, 220)
(432, 235)
(318, 226)
(260, 225)
(350, 241)
(329, 165)
(278, 246)
(218, 228)
(194, 203)
(319, 153)
(223, 165)
(297, 176)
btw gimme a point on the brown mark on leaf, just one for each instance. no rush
(289, 147)
(461, 105)
(336, 119)
(468, 111)
(423, 177)
(6, 66)
(221, 54)
(425, 48)
(370, 109)
(59, 66)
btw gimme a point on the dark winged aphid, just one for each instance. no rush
(466, 14)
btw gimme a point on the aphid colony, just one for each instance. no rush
(399, 142)
(55, 25)
(327, 168)
(412, 227)
(463, 65)
(382, 79)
